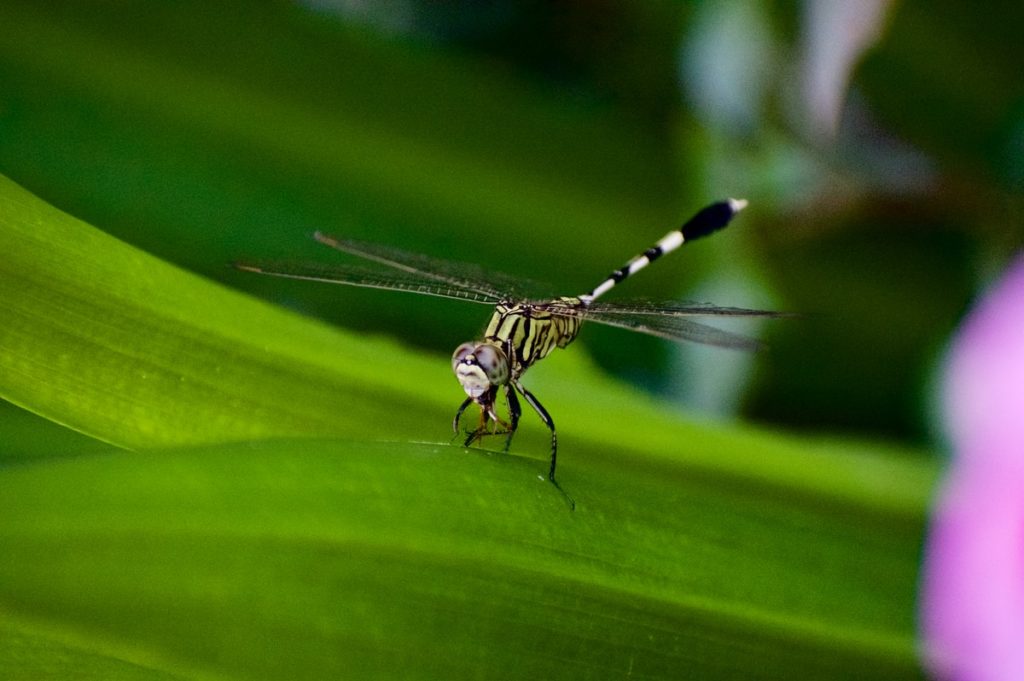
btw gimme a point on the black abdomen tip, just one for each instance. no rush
(711, 219)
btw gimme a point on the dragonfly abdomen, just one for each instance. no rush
(710, 219)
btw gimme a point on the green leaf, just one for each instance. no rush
(130, 350)
(31, 654)
(325, 559)
(382, 551)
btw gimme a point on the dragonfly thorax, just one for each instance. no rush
(480, 367)
(531, 330)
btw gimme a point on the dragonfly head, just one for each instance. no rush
(480, 367)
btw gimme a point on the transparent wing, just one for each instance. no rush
(645, 307)
(670, 320)
(365, 277)
(455, 274)
(425, 275)
(674, 328)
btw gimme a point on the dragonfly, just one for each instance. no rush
(524, 330)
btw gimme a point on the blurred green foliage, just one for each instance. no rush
(552, 140)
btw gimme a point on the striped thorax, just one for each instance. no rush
(518, 335)
(533, 330)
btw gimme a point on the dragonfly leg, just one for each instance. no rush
(458, 414)
(487, 416)
(550, 423)
(498, 422)
(481, 429)
(514, 412)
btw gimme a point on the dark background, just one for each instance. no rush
(554, 140)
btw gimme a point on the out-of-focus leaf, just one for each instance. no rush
(963, 102)
(318, 559)
(118, 345)
(33, 653)
(26, 436)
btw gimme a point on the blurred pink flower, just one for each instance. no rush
(973, 585)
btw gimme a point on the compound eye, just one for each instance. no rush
(492, 360)
(461, 353)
